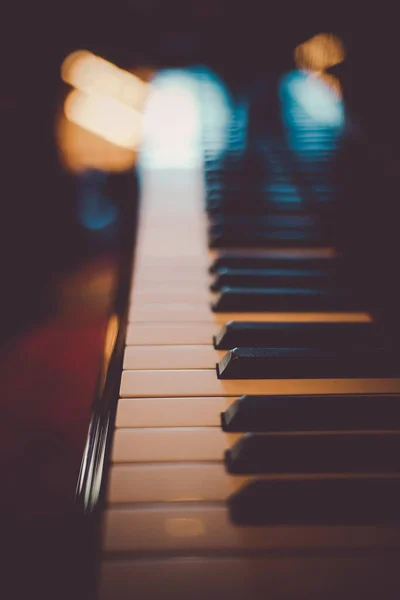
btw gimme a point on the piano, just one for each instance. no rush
(244, 436)
(255, 439)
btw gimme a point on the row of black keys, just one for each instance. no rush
(321, 488)
(262, 284)
(297, 230)
(341, 451)
(235, 270)
(277, 350)
(326, 438)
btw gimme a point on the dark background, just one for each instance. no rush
(238, 39)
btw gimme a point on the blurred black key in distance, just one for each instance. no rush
(267, 222)
(229, 203)
(274, 299)
(279, 238)
(235, 260)
(356, 412)
(271, 277)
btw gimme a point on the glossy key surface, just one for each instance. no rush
(336, 501)
(236, 299)
(329, 412)
(296, 335)
(287, 363)
(344, 452)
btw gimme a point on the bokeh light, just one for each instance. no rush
(315, 98)
(101, 125)
(104, 116)
(319, 53)
(92, 74)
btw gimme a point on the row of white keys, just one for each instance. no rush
(167, 482)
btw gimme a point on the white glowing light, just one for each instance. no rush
(172, 129)
(92, 74)
(316, 98)
(105, 117)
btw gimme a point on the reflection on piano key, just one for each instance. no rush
(151, 529)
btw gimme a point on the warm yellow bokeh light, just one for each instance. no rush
(81, 149)
(106, 117)
(319, 53)
(184, 527)
(101, 126)
(92, 74)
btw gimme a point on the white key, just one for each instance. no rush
(158, 312)
(199, 265)
(150, 334)
(197, 527)
(171, 412)
(171, 357)
(237, 577)
(181, 444)
(171, 274)
(176, 313)
(184, 482)
(171, 482)
(205, 383)
(167, 294)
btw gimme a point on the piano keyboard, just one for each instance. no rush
(284, 483)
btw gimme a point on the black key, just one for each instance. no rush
(336, 501)
(270, 277)
(307, 363)
(356, 412)
(271, 299)
(257, 453)
(231, 203)
(286, 221)
(233, 260)
(296, 335)
(254, 225)
(280, 238)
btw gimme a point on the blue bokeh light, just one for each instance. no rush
(301, 91)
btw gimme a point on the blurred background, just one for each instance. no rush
(236, 39)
